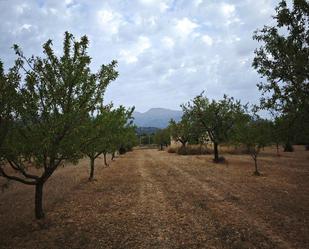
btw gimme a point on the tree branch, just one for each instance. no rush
(15, 178)
(21, 169)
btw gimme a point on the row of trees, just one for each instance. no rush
(51, 111)
(283, 63)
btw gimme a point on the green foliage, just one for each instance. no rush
(106, 131)
(180, 131)
(162, 137)
(128, 139)
(8, 85)
(216, 118)
(48, 100)
(283, 60)
(255, 133)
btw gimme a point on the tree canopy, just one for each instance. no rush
(48, 100)
(216, 118)
(283, 60)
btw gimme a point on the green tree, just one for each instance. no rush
(255, 134)
(8, 86)
(162, 137)
(180, 131)
(128, 139)
(103, 133)
(217, 118)
(54, 98)
(283, 60)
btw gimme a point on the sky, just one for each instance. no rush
(168, 51)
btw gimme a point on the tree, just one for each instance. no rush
(283, 60)
(255, 134)
(162, 137)
(180, 131)
(277, 132)
(8, 85)
(54, 98)
(217, 118)
(128, 139)
(102, 133)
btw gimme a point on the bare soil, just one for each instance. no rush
(153, 199)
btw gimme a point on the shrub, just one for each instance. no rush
(288, 147)
(122, 150)
(189, 150)
(171, 149)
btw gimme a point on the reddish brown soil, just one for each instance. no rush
(152, 199)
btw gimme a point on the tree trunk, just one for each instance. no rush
(256, 172)
(39, 214)
(91, 169)
(216, 153)
(277, 146)
(113, 156)
(161, 146)
(105, 162)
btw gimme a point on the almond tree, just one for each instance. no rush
(180, 131)
(55, 95)
(216, 118)
(103, 131)
(162, 137)
(255, 133)
(283, 61)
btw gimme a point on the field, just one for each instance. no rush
(153, 199)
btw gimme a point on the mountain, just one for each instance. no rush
(156, 117)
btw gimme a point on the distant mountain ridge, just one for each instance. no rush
(156, 117)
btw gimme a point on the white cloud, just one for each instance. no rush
(168, 42)
(131, 55)
(198, 2)
(207, 40)
(128, 56)
(191, 70)
(227, 9)
(184, 27)
(67, 2)
(21, 8)
(162, 5)
(143, 44)
(110, 21)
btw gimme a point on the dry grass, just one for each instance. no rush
(153, 199)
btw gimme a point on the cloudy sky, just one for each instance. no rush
(168, 50)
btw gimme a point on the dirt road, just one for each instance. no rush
(152, 199)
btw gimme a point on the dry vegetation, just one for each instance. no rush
(154, 199)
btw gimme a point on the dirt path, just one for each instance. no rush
(152, 199)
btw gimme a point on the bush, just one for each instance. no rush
(122, 150)
(189, 150)
(171, 149)
(288, 147)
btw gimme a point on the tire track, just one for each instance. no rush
(217, 201)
